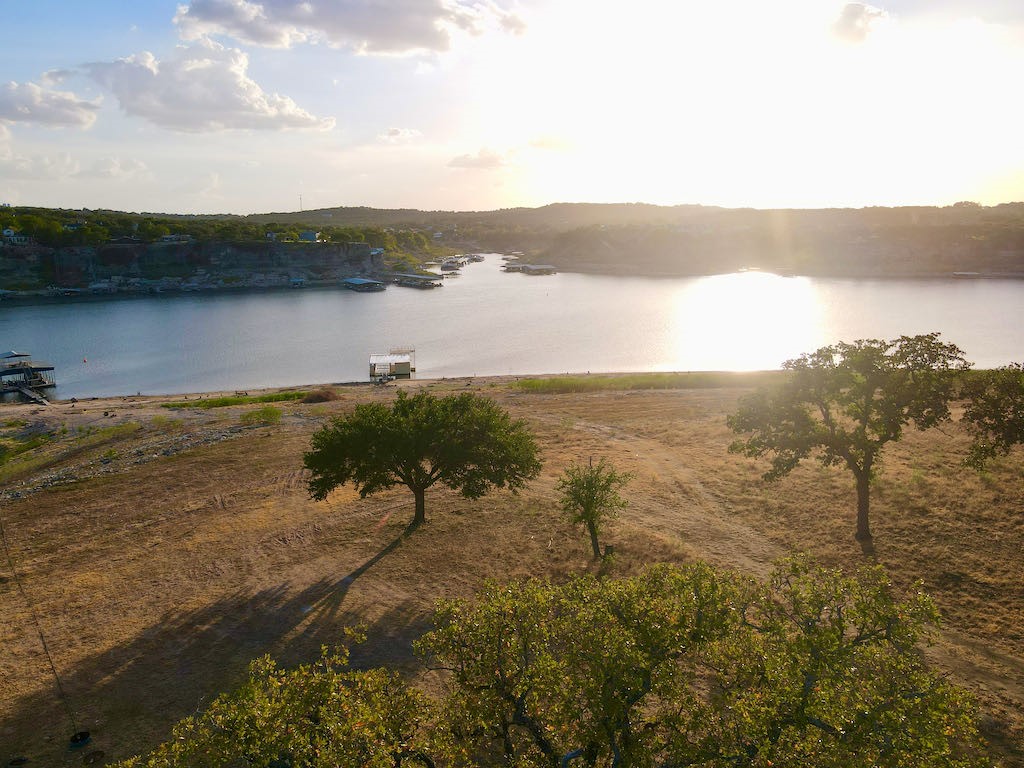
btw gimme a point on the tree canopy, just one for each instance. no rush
(995, 412)
(692, 666)
(318, 715)
(466, 442)
(844, 402)
(676, 666)
(590, 495)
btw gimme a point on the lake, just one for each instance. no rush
(490, 322)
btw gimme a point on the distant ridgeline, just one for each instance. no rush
(43, 247)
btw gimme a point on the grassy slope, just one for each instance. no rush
(158, 581)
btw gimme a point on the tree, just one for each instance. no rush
(845, 402)
(590, 495)
(995, 413)
(694, 667)
(318, 715)
(465, 442)
(591, 668)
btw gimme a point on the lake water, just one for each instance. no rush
(490, 322)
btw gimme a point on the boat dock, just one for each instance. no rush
(417, 281)
(19, 373)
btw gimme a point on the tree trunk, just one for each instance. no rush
(421, 507)
(863, 489)
(593, 540)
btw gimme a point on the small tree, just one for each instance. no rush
(465, 442)
(590, 495)
(845, 402)
(995, 414)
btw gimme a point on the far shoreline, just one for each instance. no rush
(18, 299)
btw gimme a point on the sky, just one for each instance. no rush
(251, 106)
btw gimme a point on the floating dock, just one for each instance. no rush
(19, 373)
(363, 284)
(418, 281)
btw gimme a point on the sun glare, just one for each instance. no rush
(746, 321)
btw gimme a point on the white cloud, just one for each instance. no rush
(857, 20)
(53, 77)
(111, 167)
(29, 103)
(202, 87)
(399, 135)
(485, 159)
(369, 26)
(36, 167)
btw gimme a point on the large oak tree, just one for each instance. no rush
(466, 442)
(995, 413)
(844, 402)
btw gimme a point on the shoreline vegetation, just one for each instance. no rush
(167, 541)
(106, 253)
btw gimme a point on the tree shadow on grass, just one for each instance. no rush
(130, 695)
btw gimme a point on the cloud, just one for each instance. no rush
(53, 77)
(857, 20)
(29, 103)
(485, 159)
(37, 167)
(399, 135)
(368, 26)
(202, 87)
(111, 167)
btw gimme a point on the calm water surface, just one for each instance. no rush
(489, 322)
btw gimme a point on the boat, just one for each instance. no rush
(417, 281)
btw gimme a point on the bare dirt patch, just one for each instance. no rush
(161, 559)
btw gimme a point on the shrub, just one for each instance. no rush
(268, 414)
(321, 395)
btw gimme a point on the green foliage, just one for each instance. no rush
(689, 666)
(590, 495)
(166, 424)
(465, 442)
(995, 413)
(17, 439)
(266, 415)
(692, 380)
(222, 402)
(319, 715)
(845, 402)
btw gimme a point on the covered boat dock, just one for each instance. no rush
(19, 373)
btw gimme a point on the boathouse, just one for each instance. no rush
(397, 363)
(362, 284)
(18, 373)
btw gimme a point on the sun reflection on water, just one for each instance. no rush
(745, 321)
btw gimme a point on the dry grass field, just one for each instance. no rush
(163, 555)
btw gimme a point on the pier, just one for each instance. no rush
(19, 373)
